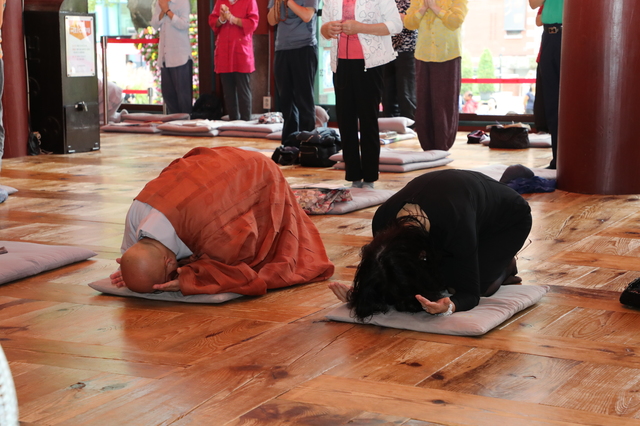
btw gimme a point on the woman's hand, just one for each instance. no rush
(173, 285)
(351, 27)
(342, 291)
(433, 5)
(116, 277)
(331, 29)
(438, 307)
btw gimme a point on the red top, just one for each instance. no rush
(349, 46)
(234, 44)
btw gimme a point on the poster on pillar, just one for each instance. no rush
(80, 46)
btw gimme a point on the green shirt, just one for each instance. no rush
(552, 12)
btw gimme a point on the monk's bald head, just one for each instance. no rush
(143, 265)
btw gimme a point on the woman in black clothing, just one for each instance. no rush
(443, 241)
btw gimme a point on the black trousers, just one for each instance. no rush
(295, 72)
(358, 94)
(549, 65)
(236, 87)
(399, 95)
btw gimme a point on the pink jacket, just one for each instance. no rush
(234, 44)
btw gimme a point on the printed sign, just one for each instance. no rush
(80, 46)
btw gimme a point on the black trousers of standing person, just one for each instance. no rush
(237, 94)
(358, 94)
(295, 72)
(399, 94)
(539, 115)
(176, 84)
(550, 54)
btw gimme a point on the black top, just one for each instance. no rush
(462, 207)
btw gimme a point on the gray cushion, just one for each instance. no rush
(27, 259)
(105, 286)
(402, 168)
(491, 312)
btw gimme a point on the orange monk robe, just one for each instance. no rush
(237, 214)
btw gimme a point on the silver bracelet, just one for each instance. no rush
(445, 314)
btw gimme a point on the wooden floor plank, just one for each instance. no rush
(83, 358)
(439, 405)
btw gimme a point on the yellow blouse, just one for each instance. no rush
(439, 36)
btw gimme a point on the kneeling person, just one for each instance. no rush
(219, 220)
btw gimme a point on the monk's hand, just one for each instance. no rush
(116, 277)
(173, 285)
(342, 291)
(438, 307)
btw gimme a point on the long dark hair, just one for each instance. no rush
(398, 264)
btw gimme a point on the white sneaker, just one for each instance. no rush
(367, 185)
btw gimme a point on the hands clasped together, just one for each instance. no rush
(334, 28)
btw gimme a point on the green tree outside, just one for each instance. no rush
(486, 70)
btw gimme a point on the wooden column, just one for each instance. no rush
(598, 143)
(14, 99)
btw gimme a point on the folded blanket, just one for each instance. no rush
(251, 126)
(358, 198)
(320, 200)
(190, 128)
(131, 127)
(408, 167)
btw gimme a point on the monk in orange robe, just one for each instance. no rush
(238, 229)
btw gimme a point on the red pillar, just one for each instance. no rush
(598, 142)
(14, 99)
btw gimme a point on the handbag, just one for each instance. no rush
(477, 136)
(317, 146)
(631, 295)
(513, 137)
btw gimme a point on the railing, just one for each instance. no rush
(104, 41)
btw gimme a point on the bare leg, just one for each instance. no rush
(342, 291)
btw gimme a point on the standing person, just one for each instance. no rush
(438, 69)
(470, 105)
(233, 22)
(529, 99)
(360, 33)
(296, 62)
(399, 94)
(171, 17)
(549, 66)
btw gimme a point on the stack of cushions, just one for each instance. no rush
(248, 129)
(26, 259)
(490, 313)
(404, 161)
(105, 286)
(191, 128)
(141, 122)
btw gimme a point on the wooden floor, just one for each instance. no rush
(80, 357)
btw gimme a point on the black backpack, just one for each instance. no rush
(207, 107)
